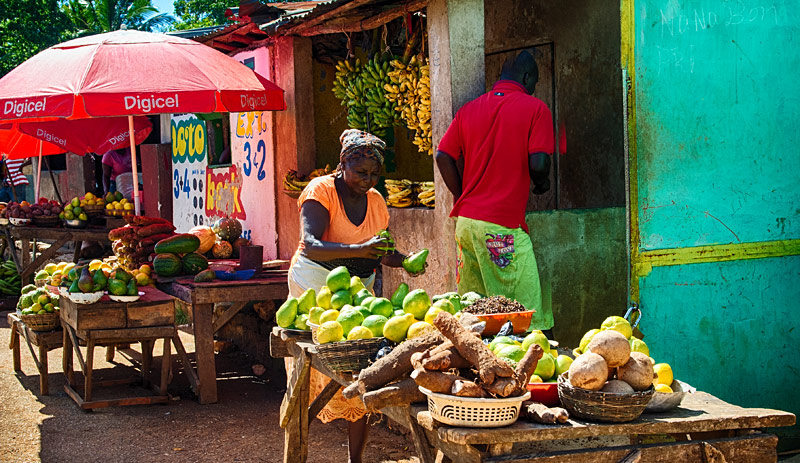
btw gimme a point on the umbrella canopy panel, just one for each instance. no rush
(132, 73)
(82, 136)
(16, 145)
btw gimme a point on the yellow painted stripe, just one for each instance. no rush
(627, 48)
(717, 253)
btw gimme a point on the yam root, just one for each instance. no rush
(503, 387)
(443, 358)
(463, 388)
(155, 229)
(543, 414)
(526, 367)
(400, 393)
(435, 381)
(472, 349)
(391, 367)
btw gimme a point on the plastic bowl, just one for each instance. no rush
(125, 298)
(76, 223)
(237, 275)
(520, 320)
(546, 393)
(85, 298)
(17, 221)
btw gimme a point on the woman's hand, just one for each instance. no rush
(421, 272)
(370, 249)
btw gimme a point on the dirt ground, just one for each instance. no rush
(241, 427)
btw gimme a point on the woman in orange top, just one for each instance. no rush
(340, 214)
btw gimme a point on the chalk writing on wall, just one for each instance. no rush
(224, 193)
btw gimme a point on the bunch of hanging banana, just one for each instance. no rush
(294, 182)
(426, 194)
(375, 77)
(410, 94)
(360, 87)
(400, 193)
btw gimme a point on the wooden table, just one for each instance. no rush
(106, 323)
(59, 236)
(703, 428)
(45, 341)
(270, 284)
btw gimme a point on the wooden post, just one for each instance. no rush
(15, 346)
(294, 128)
(87, 371)
(166, 366)
(44, 383)
(456, 43)
(204, 352)
(157, 179)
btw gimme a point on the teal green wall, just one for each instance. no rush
(582, 262)
(717, 101)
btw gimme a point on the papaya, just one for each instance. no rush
(416, 263)
(287, 312)
(399, 294)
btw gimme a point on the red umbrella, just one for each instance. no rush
(132, 73)
(16, 145)
(88, 135)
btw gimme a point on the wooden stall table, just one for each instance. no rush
(45, 341)
(59, 236)
(270, 284)
(107, 323)
(704, 428)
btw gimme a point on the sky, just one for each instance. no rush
(164, 6)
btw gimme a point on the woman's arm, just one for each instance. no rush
(314, 219)
(106, 178)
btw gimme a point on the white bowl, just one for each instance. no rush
(85, 298)
(126, 298)
(17, 221)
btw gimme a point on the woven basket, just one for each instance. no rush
(602, 406)
(94, 209)
(349, 355)
(46, 221)
(44, 322)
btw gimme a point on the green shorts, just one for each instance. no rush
(495, 260)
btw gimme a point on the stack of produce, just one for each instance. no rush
(294, 182)
(82, 279)
(362, 88)
(36, 301)
(53, 273)
(134, 243)
(611, 359)
(512, 350)
(117, 205)
(405, 193)
(410, 95)
(10, 282)
(24, 210)
(177, 255)
(345, 310)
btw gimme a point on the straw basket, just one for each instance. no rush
(349, 355)
(474, 412)
(44, 322)
(92, 210)
(602, 406)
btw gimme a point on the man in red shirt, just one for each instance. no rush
(496, 145)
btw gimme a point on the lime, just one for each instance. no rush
(349, 319)
(356, 285)
(330, 331)
(500, 341)
(535, 379)
(618, 323)
(637, 345)
(417, 303)
(314, 313)
(328, 315)
(324, 298)
(359, 332)
(301, 322)
(546, 367)
(340, 298)
(511, 351)
(418, 329)
(365, 312)
(382, 306)
(587, 338)
(538, 338)
(361, 296)
(338, 279)
(563, 363)
(375, 324)
(396, 328)
(446, 305)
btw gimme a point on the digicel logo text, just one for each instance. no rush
(19, 109)
(146, 105)
(253, 102)
(50, 138)
(119, 138)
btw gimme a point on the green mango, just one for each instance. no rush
(399, 294)
(306, 301)
(117, 287)
(122, 275)
(99, 279)
(415, 263)
(75, 273)
(74, 288)
(287, 312)
(132, 289)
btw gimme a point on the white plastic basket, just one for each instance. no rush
(474, 412)
(313, 327)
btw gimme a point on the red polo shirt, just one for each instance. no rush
(495, 133)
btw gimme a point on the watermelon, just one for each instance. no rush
(227, 229)
(178, 244)
(167, 265)
(194, 263)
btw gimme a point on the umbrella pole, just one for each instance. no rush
(136, 202)
(38, 173)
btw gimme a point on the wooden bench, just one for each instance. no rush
(44, 340)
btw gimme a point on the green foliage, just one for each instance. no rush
(97, 16)
(28, 27)
(201, 13)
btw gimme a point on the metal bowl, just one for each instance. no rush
(76, 223)
(664, 401)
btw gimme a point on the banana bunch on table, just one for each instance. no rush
(292, 181)
(410, 93)
(400, 193)
(426, 194)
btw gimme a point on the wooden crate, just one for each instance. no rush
(104, 314)
(150, 313)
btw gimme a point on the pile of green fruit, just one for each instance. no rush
(83, 279)
(512, 350)
(361, 87)
(345, 310)
(10, 282)
(36, 301)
